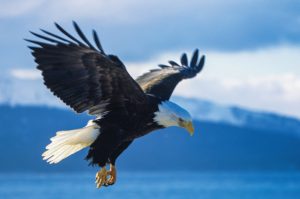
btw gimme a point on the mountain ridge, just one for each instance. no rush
(26, 130)
(204, 110)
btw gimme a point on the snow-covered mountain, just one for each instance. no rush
(25, 91)
(226, 138)
(204, 110)
(31, 91)
(214, 146)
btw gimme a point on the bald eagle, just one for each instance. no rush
(85, 78)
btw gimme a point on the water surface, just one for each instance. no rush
(155, 185)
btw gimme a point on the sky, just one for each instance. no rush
(252, 47)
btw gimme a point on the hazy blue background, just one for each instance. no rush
(246, 102)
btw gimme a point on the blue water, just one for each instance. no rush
(153, 185)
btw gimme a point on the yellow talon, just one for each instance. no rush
(101, 177)
(113, 175)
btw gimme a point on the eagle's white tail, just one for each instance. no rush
(66, 143)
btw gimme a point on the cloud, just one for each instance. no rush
(141, 29)
(18, 7)
(251, 64)
(275, 93)
(241, 64)
(25, 74)
(116, 11)
(265, 79)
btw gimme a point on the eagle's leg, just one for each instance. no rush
(101, 177)
(112, 175)
(112, 160)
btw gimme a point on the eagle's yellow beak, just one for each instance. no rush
(189, 127)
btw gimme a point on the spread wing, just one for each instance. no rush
(161, 82)
(81, 75)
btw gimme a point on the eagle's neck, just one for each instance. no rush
(170, 114)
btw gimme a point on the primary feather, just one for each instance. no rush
(80, 75)
(162, 82)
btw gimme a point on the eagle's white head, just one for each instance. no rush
(171, 114)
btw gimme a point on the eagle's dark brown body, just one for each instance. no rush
(119, 128)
